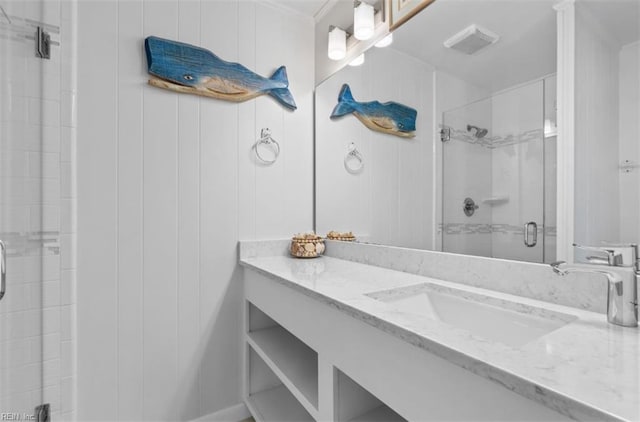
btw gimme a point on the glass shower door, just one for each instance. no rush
(466, 166)
(493, 176)
(21, 307)
(518, 173)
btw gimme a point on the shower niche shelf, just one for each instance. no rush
(293, 364)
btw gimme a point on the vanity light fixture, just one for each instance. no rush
(363, 21)
(357, 61)
(337, 43)
(385, 42)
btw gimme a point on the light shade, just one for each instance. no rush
(385, 42)
(337, 44)
(357, 61)
(363, 21)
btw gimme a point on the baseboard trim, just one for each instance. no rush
(236, 413)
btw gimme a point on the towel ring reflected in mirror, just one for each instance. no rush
(353, 161)
(264, 144)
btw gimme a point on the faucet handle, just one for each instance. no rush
(556, 267)
(613, 256)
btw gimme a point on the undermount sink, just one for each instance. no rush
(511, 323)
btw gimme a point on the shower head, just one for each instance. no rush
(479, 132)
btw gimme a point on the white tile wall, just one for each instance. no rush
(514, 171)
(518, 170)
(167, 185)
(451, 93)
(32, 315)
(466, 174)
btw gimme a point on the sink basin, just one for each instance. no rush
(511, 323)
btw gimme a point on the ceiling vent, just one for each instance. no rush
(471, 40)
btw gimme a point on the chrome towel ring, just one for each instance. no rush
(353, 161)
(266, 142)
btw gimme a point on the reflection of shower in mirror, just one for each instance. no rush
(479, 132)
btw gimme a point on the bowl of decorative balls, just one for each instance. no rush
(307, 245)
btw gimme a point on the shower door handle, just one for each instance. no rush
(3, 269)
(530, 234)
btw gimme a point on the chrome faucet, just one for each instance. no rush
(622, 297)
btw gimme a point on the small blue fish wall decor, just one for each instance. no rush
(392, 118)
(193, 70)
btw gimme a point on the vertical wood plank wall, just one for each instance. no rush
(629, 132)
(597, 187)
(386, 202)
(167, 186)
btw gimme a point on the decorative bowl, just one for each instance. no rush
(345, 237)
(307, 245)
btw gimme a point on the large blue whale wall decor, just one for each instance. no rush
(392, 118)
(193, 70)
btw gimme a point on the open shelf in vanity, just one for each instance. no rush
(353, 403)
(293, 361)
(323, 363)
(269, 399)
(289, 361)
(283, 379)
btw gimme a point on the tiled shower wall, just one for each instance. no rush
(518, 171)
(466, 174)
(37, 315)
(503, 172)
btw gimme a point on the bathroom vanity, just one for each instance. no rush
(343, 338)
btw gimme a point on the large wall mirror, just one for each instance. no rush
(479, 176)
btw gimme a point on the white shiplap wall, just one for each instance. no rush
(388, 202)
(167, 185)
(629, 131)
(597, 188)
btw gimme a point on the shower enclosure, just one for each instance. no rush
(35, 334)
(498, 164)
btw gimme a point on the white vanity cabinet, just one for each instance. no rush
(307, 360)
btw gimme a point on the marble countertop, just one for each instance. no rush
(588, 369)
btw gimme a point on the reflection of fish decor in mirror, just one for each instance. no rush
(391, 118)
(193, 70)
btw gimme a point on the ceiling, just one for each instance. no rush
(526, 49)
(527, 28)
(620, 18)
(306, 7)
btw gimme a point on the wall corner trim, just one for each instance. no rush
(566, 129)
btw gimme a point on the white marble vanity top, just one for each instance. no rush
(588, 369)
